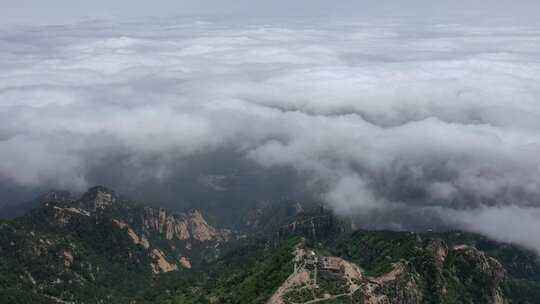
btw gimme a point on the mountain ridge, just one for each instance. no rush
(101, 247)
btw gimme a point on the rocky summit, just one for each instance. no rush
(101, 247)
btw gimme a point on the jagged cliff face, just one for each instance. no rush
(140, 222)
(181, 226)
(145, 226)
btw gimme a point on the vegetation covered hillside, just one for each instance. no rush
(330, 264)
(99, 247)
(103, 248)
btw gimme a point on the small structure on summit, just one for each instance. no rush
(331, 264)
(311, 260)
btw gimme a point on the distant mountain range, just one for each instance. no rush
(103, 248)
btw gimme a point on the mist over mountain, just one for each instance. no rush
(401, 123)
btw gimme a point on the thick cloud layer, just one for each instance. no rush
(61, 11)
(404, 124)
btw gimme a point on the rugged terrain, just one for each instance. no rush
(98, 246)
(330, 279)
(103, 248)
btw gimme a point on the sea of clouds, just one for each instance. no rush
(399, 121)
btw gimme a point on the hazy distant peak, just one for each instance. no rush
(57, 196)
(99, 197)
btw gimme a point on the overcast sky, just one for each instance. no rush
(61, 11)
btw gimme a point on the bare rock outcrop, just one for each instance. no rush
(182, 226)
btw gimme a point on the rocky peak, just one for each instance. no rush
(98, 197)
(185, 226)
(481, 261)
(199, 227)
(477, 266)
(316, 223)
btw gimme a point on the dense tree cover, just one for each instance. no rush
(248, 273)
(375, 250)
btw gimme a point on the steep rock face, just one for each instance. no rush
(474, 268)
(140, 222)
(133, 235)
(160, 262)
(181, 226)
(185, 262)
(147, 226)
(200, 230)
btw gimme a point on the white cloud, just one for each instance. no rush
(511, 224)
(380, 113)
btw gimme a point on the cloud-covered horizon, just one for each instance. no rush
(387, 118)
(62, 11)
